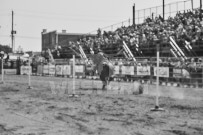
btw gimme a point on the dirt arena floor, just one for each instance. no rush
(46, 110)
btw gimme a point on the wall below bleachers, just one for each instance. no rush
(169, 76)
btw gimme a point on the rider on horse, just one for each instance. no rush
(104, 68)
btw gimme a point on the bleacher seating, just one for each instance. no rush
(140, 38)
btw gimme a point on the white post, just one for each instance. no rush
(29, 81)
(157, 79)
(73, 74)
(74, 94)
(157, 108)
(2, 70)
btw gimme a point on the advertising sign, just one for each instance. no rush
(59, 70)
(127, 70)
(66, 70)
(10, 71)
(39, 69)
(117, 70)
(177, 73)
(52, 69)
(24, 70)
(45, 69)
(143, 70)
(163, 71)
(79, 68)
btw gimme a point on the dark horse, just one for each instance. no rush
(106, 75)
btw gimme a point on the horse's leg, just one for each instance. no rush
(104, 85)
(108, 80)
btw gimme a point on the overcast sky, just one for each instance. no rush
(75, 16)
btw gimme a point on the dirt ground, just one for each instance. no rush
(43, 110)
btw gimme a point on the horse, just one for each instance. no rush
(104, 67)
(106, 74)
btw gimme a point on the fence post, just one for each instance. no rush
(150, 10)
(129, 21)
(157, 78)
(30, 69)
(73, 74)
(138, 16)
(156, 10)
(151, 78)
(202, 77)
(157, 108)
(184, 6)
(181, 79)
(152, 16)
(73, 88)
(2, 71)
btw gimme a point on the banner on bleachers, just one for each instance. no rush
(143, 70)
(127, 70)
(89, 69)
(177, 72)
(52, 69)
(46, 69)
(34, 69)
(117, 70)
(39, 69)
(59, 70)
(24, 70)
(79, 68)
(163, 71)
(66, 70)
(10, 71)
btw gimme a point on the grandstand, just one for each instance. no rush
(180, 35)
(184, 30)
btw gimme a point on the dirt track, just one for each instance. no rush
(38, 111)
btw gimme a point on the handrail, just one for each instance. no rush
(179, 51)
(128, 51)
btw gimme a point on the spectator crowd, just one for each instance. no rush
(186, 26)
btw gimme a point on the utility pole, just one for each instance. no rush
(164, 9)
(192, 4)
(200, 4)
(12, 33)
(134, 15)
(12, 36)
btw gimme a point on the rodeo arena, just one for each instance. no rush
(143, 76)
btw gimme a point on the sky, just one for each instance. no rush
(74, 16)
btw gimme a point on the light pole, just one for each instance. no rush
(2, 66)
(164, 9)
